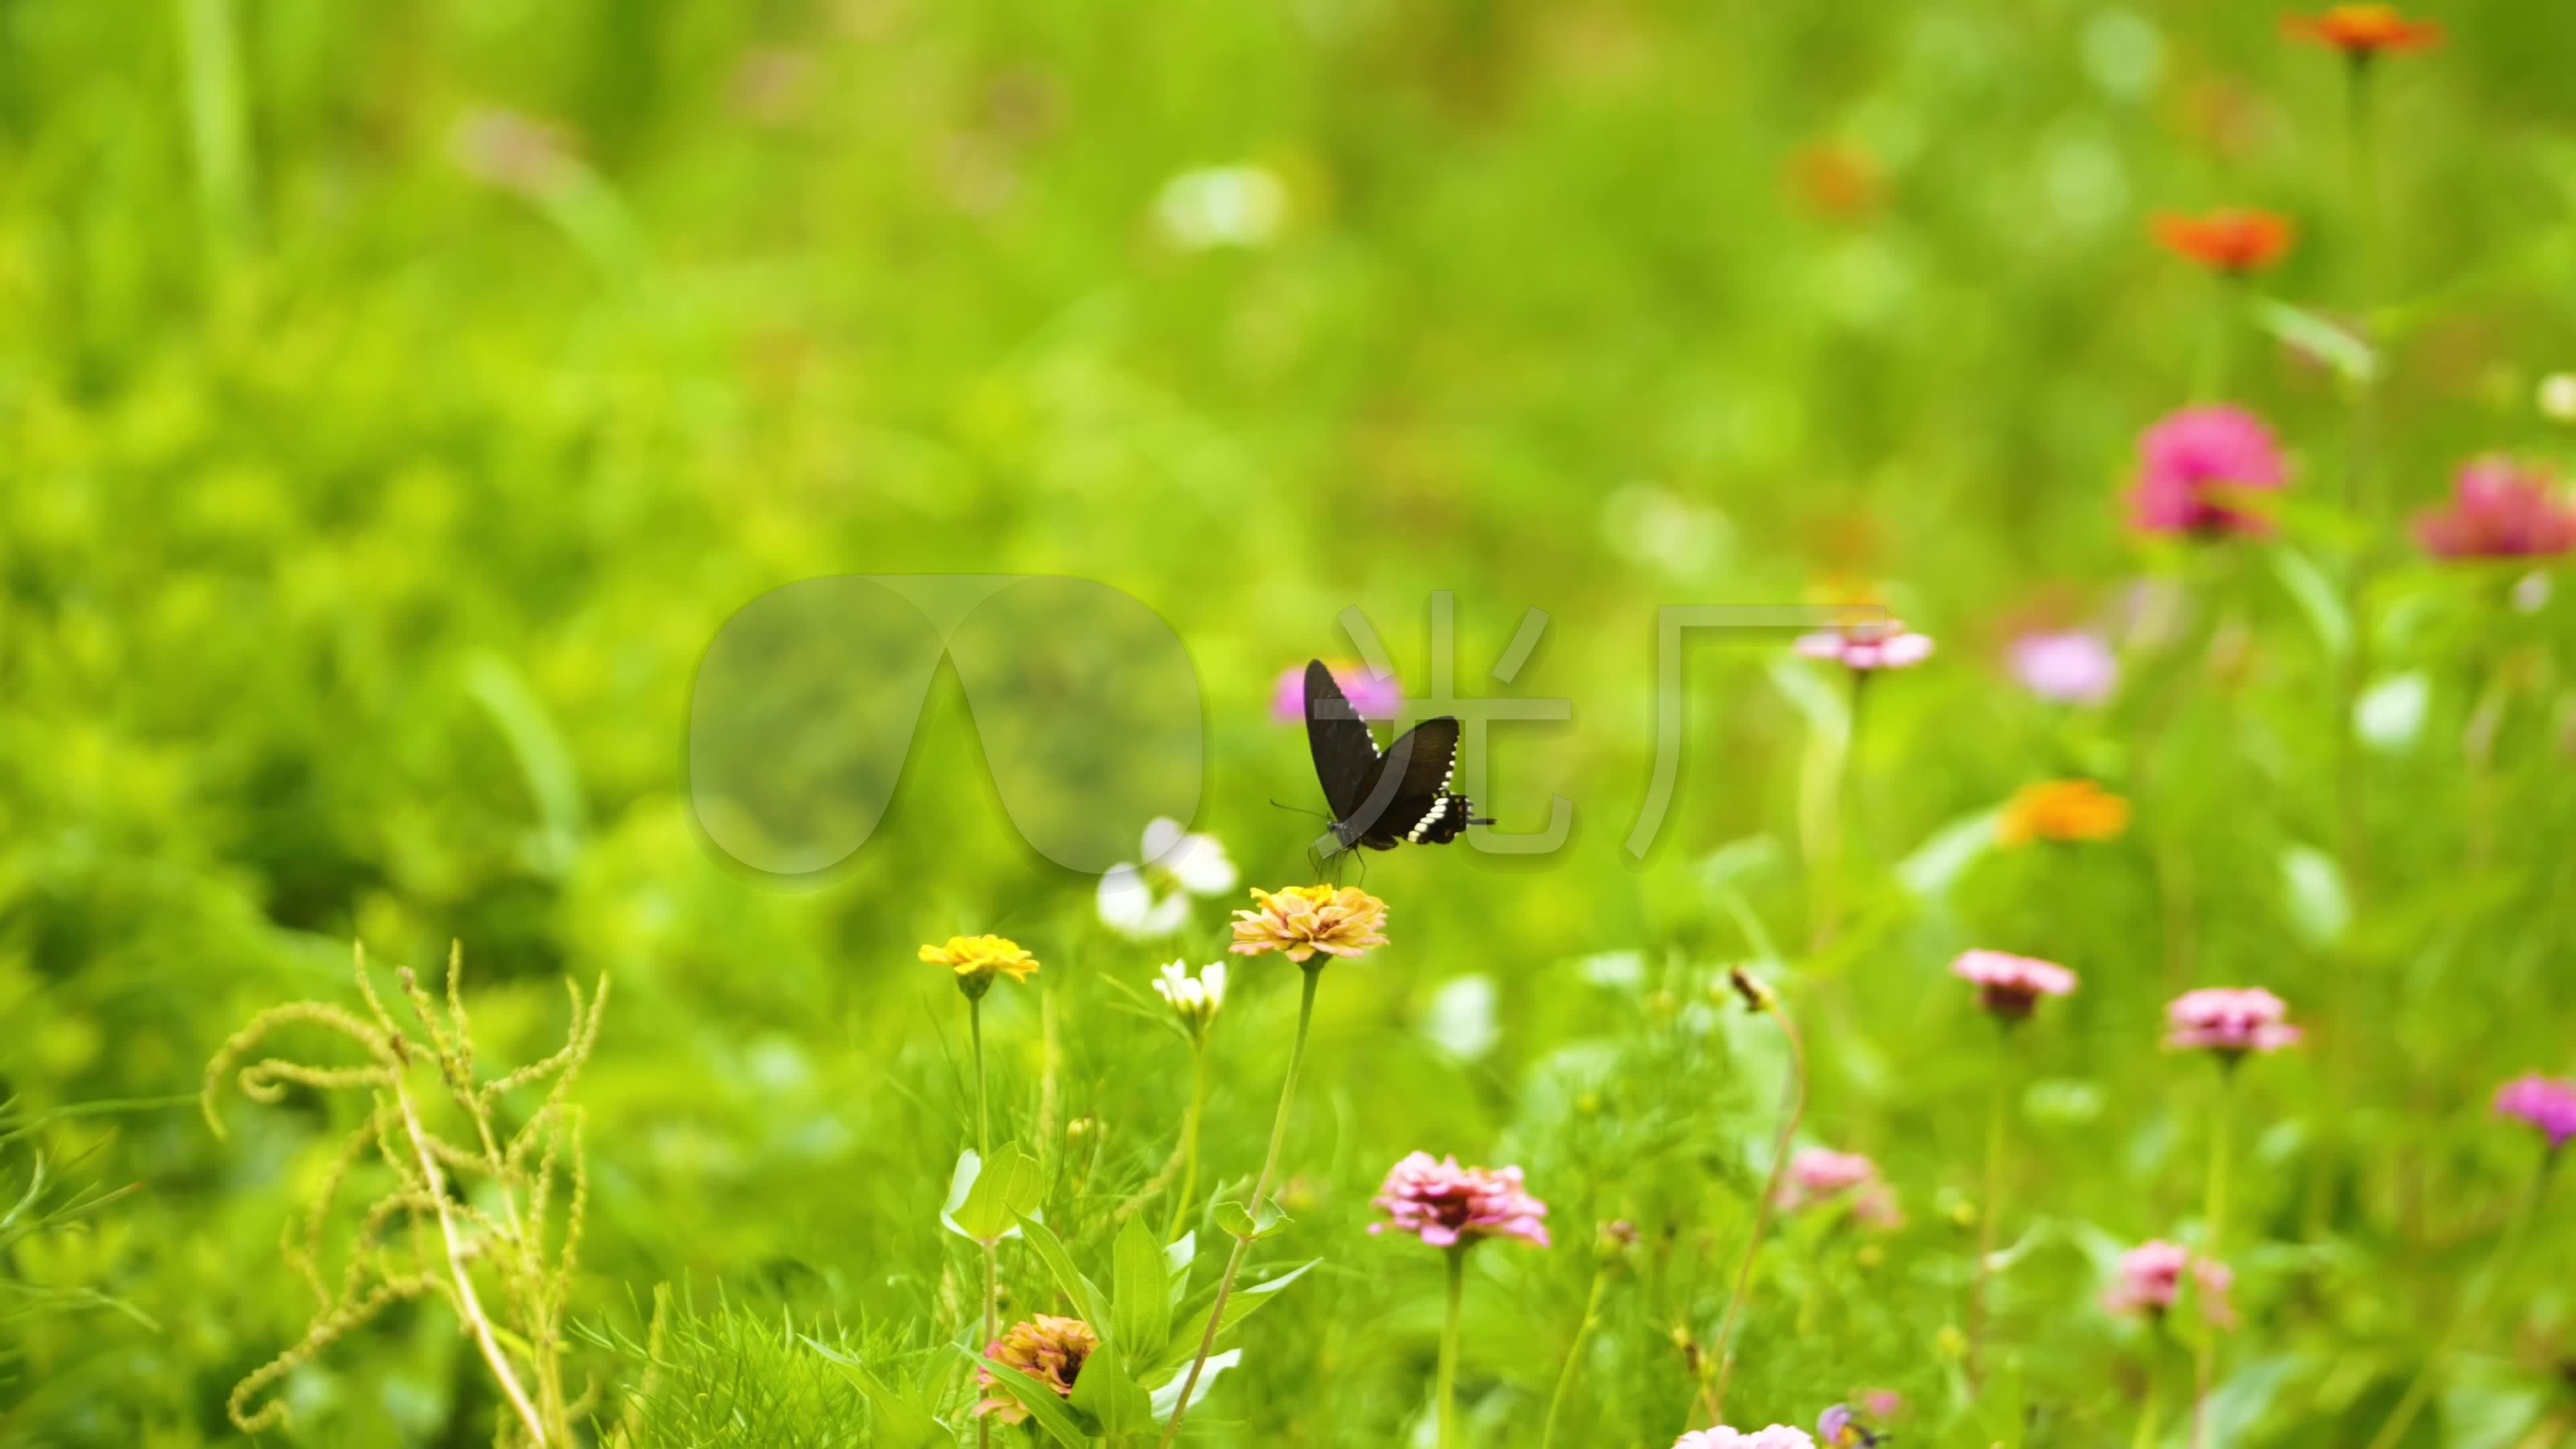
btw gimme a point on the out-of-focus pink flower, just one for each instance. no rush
(1883, 1404)
(514, 152)
(1776, 1436)
(2545, 1102)
(2071, 666)
(1446, 1205)
(2499, 509)
(1880, 644)
(1841, 1427)
(2150, 1282)
(2229, 1020)
(1372, 696)
(2189, 463)
(1821, 1175)
(2009, 985)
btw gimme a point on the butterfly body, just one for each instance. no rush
(1381, 799)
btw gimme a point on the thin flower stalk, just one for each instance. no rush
(1574, 1353)
(2507, 1248)
(1456, 1312)
(1758, 997)
(1190, 1119)
(2214, 1213)
(1989, 1210)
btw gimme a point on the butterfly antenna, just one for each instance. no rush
(1299, 809)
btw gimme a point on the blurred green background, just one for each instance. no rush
(395, 400)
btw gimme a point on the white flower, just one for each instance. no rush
(2558, 397)
(1195, 1001)
(1241, 206)
(1153, 899)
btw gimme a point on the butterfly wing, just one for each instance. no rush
(1405, 794)
(1345, 752)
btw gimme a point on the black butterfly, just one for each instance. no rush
(1383, 800)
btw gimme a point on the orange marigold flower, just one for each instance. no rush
(2362, 31)
(2062, 810)
(1303, 920)
(978, 959)
(1048, 1349)
(2231, 239)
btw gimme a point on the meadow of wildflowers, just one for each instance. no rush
(2085, 955)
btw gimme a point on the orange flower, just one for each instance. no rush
(1302, 920)
(2231, 240)
(1049, 1349)
(2362, 31)
(1835, 181)
(2064, 810)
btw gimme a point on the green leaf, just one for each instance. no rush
(1936, 865)
(896, 1420)
(1232, 1217)
(2317, 598)
(1085, 1294)
(1108, 1393)
(1140, 1305)
(1046, 1410)
(1243, 1304)
(1168, 1397)
(1006, 1188)
(2000, 1406)
(2331, 343)
(1178, 1258)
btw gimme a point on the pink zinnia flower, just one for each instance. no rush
(2544, 1102)
(1446, 1205)
(1880, 644)
(1841, 1428)
(2071, 666)
(2229, 1020)
(2009, 985)
(1776, 1436)
(1372, 696)
(2499, 509)
(2190, 460)
(2150, 1282)
(1820, 1175)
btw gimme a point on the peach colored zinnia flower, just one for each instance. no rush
(2499, 509)
(2150, 1282)
(2062, 810)
(1048, 1349)
(2362, 31)
(1302, 920)
(2009, 985)
(978, 959)
(2230, 1021)
(2231, 240)
(1445, 1205)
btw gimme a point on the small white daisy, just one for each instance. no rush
(1153, 899)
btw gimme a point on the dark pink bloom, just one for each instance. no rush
(2150, 1282)
(1445, 1205)
(2545, 1102)
(2499, 509)
(1883, 644)
(2009, 985)
(1374, 696)
(2229, 1020)
(2071, 666)
(2190, 463)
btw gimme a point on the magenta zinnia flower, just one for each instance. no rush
(1776, 1436)
(2545, 1102)
(2071, 666)
(1372, 695)
(2190, 460)
(2150, 1282)
(2009, 985)
(1881, 644)
(1446, 1205)
(2229, 1020)
(2499, 509)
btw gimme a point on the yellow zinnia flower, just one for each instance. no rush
(978, 959)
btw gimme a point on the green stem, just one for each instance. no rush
(1260, 1191)
(1573, 1356)
(1449, 1345)
(984, 1154)
(1989, 1211)
(1722, 1352)
(218, 139)
(2149, 1417)
(2422, 1388)
(2214, 1214)
(1190, 1142)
